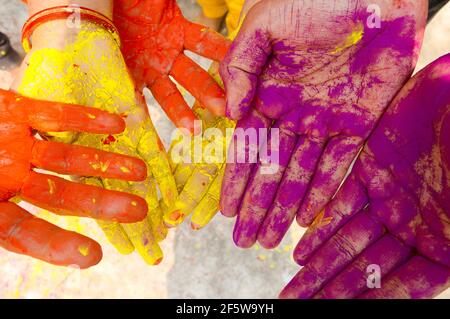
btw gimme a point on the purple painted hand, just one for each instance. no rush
(392, 215)
(322, 72)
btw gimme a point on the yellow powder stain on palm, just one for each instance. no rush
(91, 116)
(84, 250)
(351, 39)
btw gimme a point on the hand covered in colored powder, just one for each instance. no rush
(199, 183)
(321, 73)
(155, 34)
(391, 217)
(21, 153)
(85, 66)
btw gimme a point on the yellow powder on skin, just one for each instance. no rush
(84, 250)
(352, 39)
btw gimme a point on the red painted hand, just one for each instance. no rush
(20, 153)
(154, 36)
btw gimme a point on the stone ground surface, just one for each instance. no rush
(203, 264)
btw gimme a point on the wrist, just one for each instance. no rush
(104, 7)
(57, 29)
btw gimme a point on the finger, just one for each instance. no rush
(239, 164)
(78, 160)
(205, 41)
(56, 117)
(114, 233)
(242, 66)
(200, 84)
(333, 165)
(419, 278)
(430, 244)
(350, 199)
(156, 220)
(262, 189)
(149, 191)
(386, 254)
(68, 198)
(209, 205)
(22, 233)
(194, 190)
(336, 253)
(172, 102)
(151, 150)
(182, 174)
(140, 234)
(117, 236)
(290, 192)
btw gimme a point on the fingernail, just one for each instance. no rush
(175, 215)
(158, 261)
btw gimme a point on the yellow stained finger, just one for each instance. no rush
(194, 190)
(141, 234)
(209, 205)
(115, 234)
(152, 152)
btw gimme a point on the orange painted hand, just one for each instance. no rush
(154, 36)
(20, 153)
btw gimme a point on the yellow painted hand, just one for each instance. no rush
(88, 69)
(199, 184)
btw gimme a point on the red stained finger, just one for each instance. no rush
(336, 254)
(57, 117)
(261, 190)
(205, 42)
(200, 84)
(84, 161)
(419, 278)
(290, 192)
(237, 171)
(167, 95)
(68, 198)
(351, 198)
(22, 233)
(386, 254)
(330, 172)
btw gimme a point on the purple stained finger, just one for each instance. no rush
(418, 278)
(385, 255)
(237, 173)
(290, 192)
(334, 255)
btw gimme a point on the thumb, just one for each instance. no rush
(244, 63)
